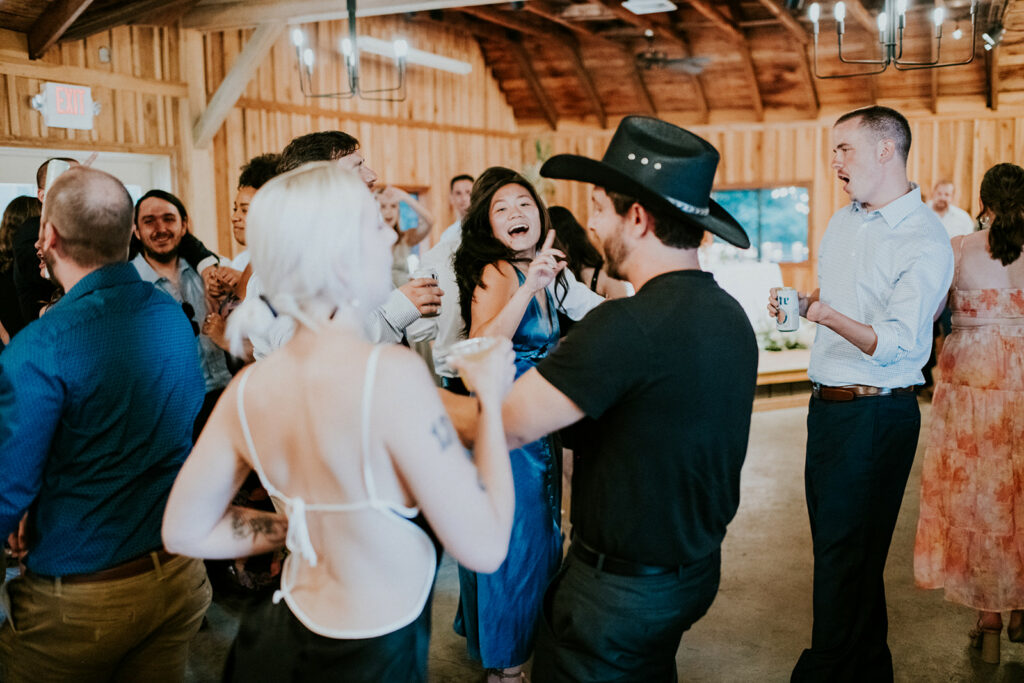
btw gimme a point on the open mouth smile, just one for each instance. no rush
(518, 229)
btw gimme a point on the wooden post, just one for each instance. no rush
(195, 165)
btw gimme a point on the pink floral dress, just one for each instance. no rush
(970, 535)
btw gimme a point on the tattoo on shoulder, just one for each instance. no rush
(246, 526)
(444, 432)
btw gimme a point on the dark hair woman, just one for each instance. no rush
(584, 260)
(17, 212)
(970, 536)
(503, 268)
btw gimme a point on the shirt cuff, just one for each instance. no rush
(399, 311)
(207, 262)
(886, 348)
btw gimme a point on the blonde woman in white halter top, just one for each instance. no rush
(352, 443)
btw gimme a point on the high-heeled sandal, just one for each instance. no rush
(986, 640)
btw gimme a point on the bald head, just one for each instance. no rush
(91, 212)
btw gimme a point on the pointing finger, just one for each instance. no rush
(548, 241)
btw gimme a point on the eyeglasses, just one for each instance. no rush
(190, 313)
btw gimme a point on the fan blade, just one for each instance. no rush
(689, 65)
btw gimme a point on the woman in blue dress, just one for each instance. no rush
(503, 268)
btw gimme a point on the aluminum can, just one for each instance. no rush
(431, 274)
(789, 304)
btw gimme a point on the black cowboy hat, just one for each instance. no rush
(663, 166)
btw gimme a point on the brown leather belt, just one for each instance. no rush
(848, 392)
(125, 570)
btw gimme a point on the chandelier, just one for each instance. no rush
(350, 48)
(892, 21)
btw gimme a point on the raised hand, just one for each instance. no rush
(546, 265)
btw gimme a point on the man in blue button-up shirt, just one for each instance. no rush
(97, 400)
(884, 265)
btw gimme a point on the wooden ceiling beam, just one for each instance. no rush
(796, 30)
(645, 94)
(665, 31)
(587, 81)
(739, 38)
(52, 24)
(861, 15)
(231, 88)
(134, 12)
(508, 21)
(545, 10)
(793, 26)
(543, 99)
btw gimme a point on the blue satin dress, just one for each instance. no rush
(498, 612)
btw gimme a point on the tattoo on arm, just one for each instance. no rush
(255, 525)
(444, 432)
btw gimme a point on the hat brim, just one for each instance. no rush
(587, 170)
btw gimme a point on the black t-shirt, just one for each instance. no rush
(666, 379)
(34, 291)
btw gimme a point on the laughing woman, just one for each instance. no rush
(503, 268)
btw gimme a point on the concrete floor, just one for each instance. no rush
(761, 619)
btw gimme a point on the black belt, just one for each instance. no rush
(614, 565)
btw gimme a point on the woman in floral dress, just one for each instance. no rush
(970, 535)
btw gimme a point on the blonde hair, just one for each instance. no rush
(305, 240)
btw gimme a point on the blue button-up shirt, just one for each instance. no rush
(190, 289)
(889, 269)
(97, 401)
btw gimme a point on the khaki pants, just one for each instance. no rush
(133, 629)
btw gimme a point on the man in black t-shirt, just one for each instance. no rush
(659, 388)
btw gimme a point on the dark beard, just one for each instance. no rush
(167, 257)
(614, 256)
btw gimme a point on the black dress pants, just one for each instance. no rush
(859, 455)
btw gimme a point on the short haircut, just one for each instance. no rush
(41, 171)
(942, 182)
(167, 197)
(259, 170)
(461, 176)
(92, 213)
(884, 123)
(326, 145)
(671, 230)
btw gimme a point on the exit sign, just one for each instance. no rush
(66, 106)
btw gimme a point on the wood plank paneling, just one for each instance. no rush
(960, 149)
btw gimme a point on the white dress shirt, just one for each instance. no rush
(889, 269)
(956, 221)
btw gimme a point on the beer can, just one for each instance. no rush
(789, 305)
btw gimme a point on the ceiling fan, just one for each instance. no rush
(651, 58)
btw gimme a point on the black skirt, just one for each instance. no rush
(272, 645)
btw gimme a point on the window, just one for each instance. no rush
(776, 219)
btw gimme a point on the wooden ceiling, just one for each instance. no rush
(575, 60)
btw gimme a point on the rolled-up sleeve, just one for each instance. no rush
(31, 400)
(387, 324)
(908, 317)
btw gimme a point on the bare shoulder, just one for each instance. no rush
(402, 374)
(500, 275)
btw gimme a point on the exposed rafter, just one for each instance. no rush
(992, 77)
(587, 81)
(788, 22)
(523, 59)
(666, 32)
(542, 8)
(645, 94)
(52, 24)
(742, 47)
(861, 15)
(509, 21)
(156, 11)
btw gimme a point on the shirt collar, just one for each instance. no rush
(110, 275)
(899, 208)
(148, 274)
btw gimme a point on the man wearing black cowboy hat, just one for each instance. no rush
(659, 388)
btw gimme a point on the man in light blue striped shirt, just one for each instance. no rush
(884, 265)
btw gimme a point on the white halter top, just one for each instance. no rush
(298, 541)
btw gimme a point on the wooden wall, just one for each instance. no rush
(137, 89)
(956, 147)
(448, 124)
